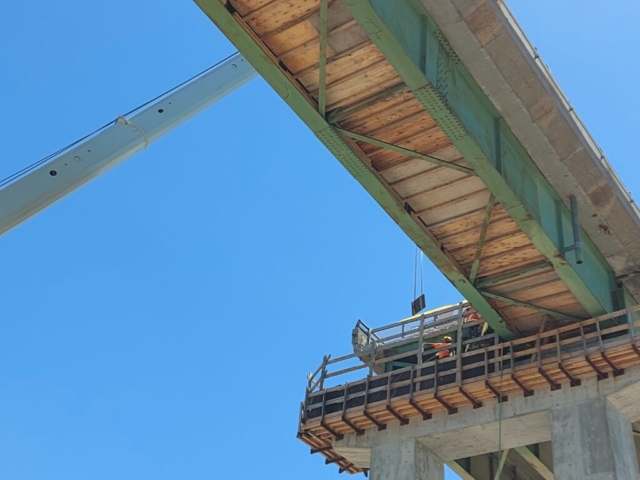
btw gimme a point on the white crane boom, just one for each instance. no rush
(51, 181)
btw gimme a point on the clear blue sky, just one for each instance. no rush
(159, 323)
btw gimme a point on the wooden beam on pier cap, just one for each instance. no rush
(541, 469)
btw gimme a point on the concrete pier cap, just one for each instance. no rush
(590, 427)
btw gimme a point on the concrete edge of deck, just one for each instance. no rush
(543, 120)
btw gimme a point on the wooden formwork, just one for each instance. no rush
(364, 100)
(559, 358)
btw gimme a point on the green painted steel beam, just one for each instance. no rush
(415, 47)
(483, 234)
(349, 155)
(409, 153)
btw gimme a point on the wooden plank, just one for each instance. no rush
(493, 247)
(427, 143)
(450, 196)
(535, 278)
(376, 72)
(279, 16)
(455, 208)
(557, 300)
(554, 293)
(540, 468)
(399, 128)
(383, 113)
(469, 232)
(372, 80)
(470, 221)
(295, 41)
(444, 181)
(353, 64)
(333, 58)
(245, 7)
(503, 262)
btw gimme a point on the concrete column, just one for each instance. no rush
(406, 459)
(592, 441)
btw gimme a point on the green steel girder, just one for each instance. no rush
(349, 155)
(415, 47)
(483, 234)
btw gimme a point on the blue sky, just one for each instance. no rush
(159, 322)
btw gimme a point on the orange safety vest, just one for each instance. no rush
(442, 353)
(470, 317)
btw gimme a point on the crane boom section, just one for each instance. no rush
(53, 180)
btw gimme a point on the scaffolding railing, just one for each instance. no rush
(378, 342)
(546, 353)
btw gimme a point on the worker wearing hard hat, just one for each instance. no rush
(473, 331)
(470, 315)
(445, 352)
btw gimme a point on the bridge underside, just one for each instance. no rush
(380, 85)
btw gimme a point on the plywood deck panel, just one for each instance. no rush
(383, 113)
(366, 95)
(431, 182)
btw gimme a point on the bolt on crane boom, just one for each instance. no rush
(51, 181)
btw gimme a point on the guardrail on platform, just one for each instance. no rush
(545, 353)
(404, 332)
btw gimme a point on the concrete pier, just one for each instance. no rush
(592, 440)
(586, 429)
(406, 459)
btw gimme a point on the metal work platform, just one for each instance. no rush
(399, 379)
(414, 121)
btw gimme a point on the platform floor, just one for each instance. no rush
(559, 358)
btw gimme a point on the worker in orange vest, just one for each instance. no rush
(442, 353)
(471, 315)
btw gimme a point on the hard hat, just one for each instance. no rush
(447, 338)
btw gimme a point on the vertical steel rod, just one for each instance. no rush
(459, 348)
(421, 341)
(480, 243)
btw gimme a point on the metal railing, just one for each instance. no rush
(379, 342)
(542, 352)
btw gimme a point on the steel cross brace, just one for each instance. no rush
(347, 152)
(411, 42)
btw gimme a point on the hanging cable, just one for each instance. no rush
(417, 273)
(418, 302)
(20, 173)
